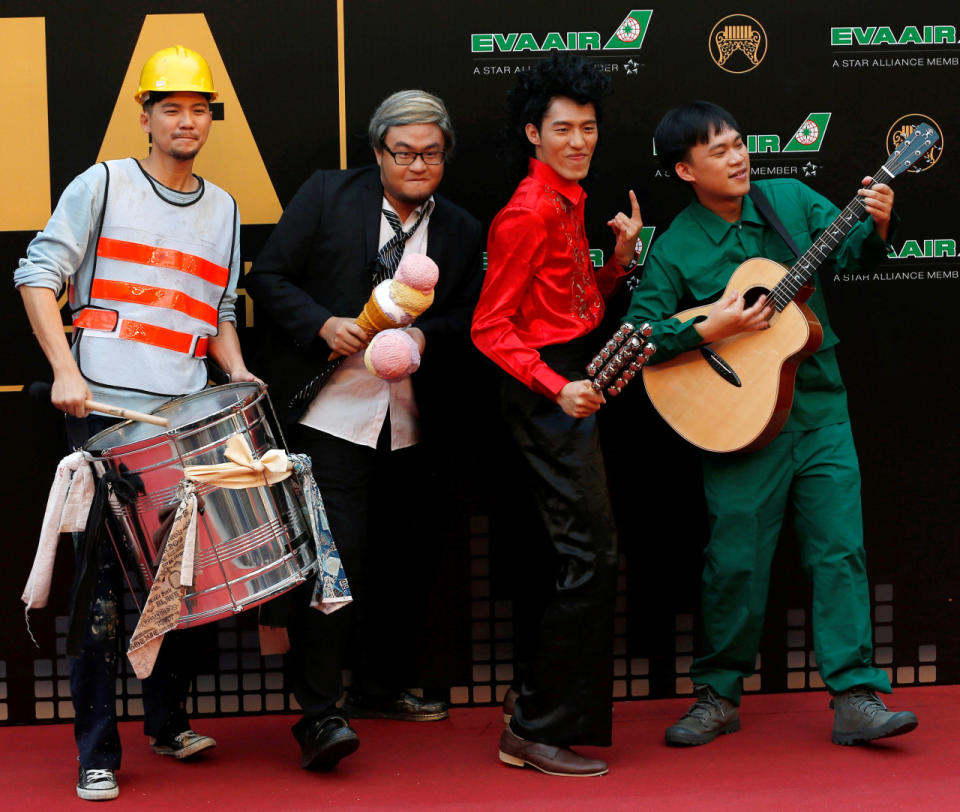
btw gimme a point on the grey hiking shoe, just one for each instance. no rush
(707, 718)
(859, 717)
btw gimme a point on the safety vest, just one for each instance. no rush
(161, 271)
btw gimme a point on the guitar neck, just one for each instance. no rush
(834, 234)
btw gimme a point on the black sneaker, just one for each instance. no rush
(859, 716)
(97, 785)
(183, 745)
(404, 707)
(707, 718)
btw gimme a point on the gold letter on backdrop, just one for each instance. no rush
(230, 158)
(24, 145)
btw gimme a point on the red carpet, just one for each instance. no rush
(782, 760)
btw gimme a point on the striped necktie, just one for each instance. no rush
(389, 256)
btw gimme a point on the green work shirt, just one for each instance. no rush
(691, 262)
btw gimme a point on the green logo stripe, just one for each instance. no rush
(631, 32)
(809, 136)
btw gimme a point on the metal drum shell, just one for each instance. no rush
(252, 544)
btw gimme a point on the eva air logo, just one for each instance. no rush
(808, 138)
(810, 135)
(629, 35)
(631, 31)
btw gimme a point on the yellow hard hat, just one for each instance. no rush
(175, 69)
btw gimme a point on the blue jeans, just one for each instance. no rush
(93, 674)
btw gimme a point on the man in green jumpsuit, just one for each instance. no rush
(812, 463)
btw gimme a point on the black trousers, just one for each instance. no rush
(359, 485)
(567, 693)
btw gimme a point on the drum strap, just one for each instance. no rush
(124, 487)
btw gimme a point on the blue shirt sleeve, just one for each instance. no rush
(60, 250)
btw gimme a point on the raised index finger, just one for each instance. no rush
(634, 205)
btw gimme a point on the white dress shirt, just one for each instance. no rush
(353, 404)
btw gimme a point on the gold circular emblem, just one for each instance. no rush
(900, 132)
(737, 43)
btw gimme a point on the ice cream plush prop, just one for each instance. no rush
(392, 355)
(397, 302)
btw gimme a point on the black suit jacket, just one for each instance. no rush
(319, 262)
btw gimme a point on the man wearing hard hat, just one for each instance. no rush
(150, 255)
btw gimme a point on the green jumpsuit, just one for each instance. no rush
(812, 463)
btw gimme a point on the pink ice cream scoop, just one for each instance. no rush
(418, 271)
(392, 355)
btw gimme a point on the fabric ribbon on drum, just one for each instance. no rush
(161, 612)
(67, 507)
(332, 590)
(243, 470)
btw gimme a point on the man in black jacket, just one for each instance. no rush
(343, 232)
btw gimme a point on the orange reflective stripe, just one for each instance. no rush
(201, 350)
(115, 291)
(156, 336)
(91, 319)
(163, 258)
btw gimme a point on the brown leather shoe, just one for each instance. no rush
(547, 758)
(508, 702)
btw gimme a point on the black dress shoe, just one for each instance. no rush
(323, 742)
(404, 707)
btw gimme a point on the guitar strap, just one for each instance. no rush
(763, 206)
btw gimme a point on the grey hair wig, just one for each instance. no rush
(410, 107)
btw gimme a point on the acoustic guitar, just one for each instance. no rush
(735, 394)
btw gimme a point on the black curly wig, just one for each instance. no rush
(567, 75)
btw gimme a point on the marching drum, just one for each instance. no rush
(252, 545)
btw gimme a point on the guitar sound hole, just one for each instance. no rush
(751, 296)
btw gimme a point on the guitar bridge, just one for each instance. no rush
(721, 367)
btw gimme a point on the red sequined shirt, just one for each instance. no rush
(540, 288)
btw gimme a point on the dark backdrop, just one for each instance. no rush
(865, 69)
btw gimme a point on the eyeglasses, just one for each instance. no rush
(404, 158)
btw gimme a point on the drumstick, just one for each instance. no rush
(126, 414)
(40, 390)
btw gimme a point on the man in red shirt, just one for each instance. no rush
(541, 301)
